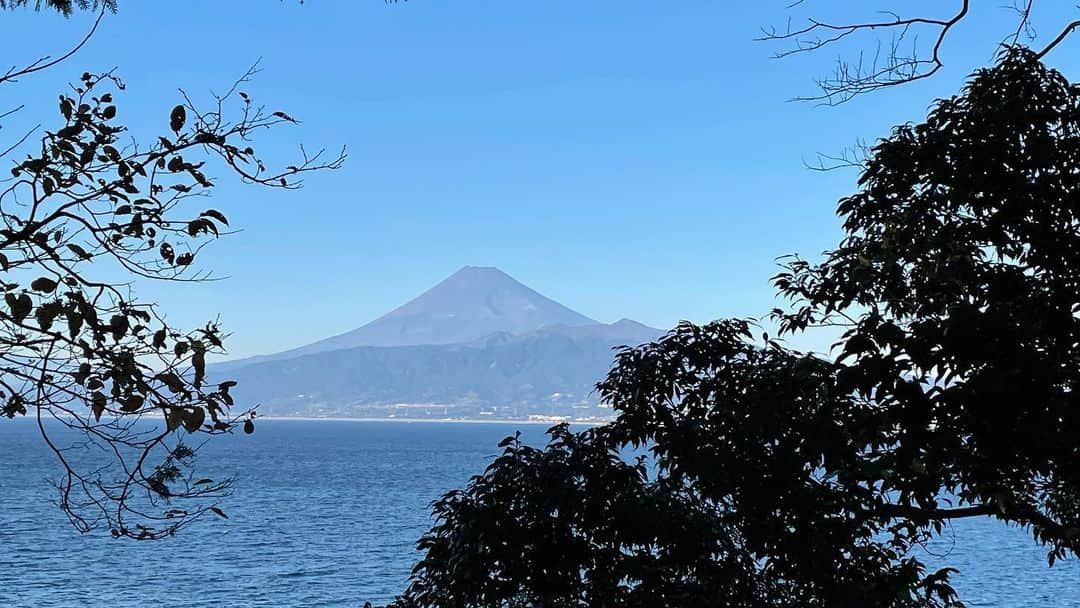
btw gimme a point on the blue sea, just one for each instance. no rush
(326, 513)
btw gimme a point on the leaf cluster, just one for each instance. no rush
(86, 211)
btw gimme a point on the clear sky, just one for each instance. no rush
(628, 159)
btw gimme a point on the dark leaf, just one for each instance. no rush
(43, 284)
(79, 251)
(194, 419)
(177, 118)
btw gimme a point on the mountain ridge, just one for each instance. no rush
(478, 343)
(551, 371)
(473, 302)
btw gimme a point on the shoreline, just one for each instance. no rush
(429, 420)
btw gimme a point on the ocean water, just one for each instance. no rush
(326, 514)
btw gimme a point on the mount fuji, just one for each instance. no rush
(477, 344)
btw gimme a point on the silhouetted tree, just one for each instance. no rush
(87, 211)
(779, 478)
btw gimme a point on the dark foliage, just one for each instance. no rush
(780, 478)
(576, 521)
(87, 205)
(86, 212)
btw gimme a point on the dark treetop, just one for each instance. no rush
(786, 479)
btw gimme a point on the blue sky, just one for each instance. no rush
(628, 159)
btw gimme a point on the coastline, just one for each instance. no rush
(431, 420)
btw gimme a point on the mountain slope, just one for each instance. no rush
(478, 343)
(473, 303)
(549, 371)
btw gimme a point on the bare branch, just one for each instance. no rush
(907, 56)
(46, 62)
(1070, 28)
(895, 67)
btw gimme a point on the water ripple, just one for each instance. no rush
(326, 514)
